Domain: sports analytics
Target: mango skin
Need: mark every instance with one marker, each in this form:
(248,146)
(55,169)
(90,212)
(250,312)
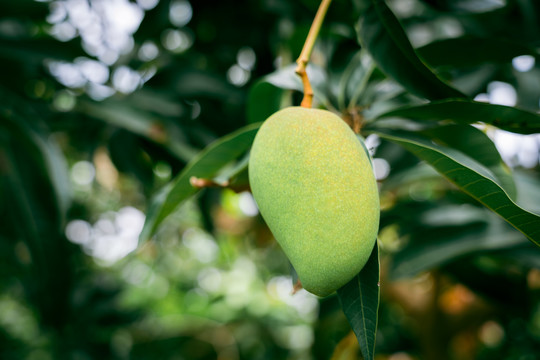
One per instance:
(316,190)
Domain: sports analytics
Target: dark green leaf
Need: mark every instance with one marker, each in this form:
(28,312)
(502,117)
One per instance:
(381,33)
(470,176)
(264,100)
(140,122)
(470,112)
(477,145)
(206,164)
(435,246)
(450,52)
(360,302)
(35,51)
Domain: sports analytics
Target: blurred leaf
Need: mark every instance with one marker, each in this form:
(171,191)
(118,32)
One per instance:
(35,51)
(470,112)
(354,80)
(528,184)
(470,176)
(360,302)
(206,164)
(489,276)
(127,155)
(35,211)
(381,33)
(435,246)
(193,83)
(264,100)
(524,255)
(142,123)
(347,349)
(449,52)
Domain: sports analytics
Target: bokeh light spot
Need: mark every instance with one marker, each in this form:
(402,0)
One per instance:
(247,204)
(176,41)
(523,63)
(180,13)
(381,168)
(64,101)
(83,172)
(502,93)
(237,76)
(148,51)
(79,232)
(125,79)
(147,4)
(92,70)
(246,58)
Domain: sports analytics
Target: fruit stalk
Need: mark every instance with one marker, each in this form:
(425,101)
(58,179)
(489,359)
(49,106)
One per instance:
(303,59)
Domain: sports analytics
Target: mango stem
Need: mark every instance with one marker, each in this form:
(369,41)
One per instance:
(303,59)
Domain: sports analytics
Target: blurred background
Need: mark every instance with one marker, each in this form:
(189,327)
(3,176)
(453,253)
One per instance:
(103,102)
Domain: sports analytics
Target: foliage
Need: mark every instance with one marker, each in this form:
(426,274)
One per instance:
(102,126)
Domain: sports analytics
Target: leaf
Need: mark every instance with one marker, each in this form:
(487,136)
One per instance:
(470,176)
(449,52)
(139,122)
(206,164)
(380,32)
(360,302)
(470,112)
(477,145)
(436,246)
(264,99)
(33,183)
(35,51)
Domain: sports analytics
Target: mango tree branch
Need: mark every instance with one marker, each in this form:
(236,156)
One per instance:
(303,59)
(201,183)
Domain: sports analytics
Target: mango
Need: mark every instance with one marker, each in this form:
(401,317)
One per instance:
(315,188)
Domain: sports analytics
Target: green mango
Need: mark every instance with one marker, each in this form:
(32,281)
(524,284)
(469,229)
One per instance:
(315,188)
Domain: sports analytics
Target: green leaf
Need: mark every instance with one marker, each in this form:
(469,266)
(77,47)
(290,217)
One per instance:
(436,246)
(449,52)
(35,51)
(264,99)
(470,176)
(206,164)
(139,122)
(360,302)
(470,112)
(477,145)
(381,34)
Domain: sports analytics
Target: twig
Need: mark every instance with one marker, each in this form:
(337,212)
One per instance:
(205,183)
(303,59)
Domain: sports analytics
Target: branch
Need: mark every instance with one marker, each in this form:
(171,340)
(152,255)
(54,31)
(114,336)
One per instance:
(200,183)
(303,59)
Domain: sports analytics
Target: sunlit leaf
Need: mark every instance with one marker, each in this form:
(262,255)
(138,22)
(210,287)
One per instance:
(470,112)
(360,302)
(206,164)
(381,33)
(470,176)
